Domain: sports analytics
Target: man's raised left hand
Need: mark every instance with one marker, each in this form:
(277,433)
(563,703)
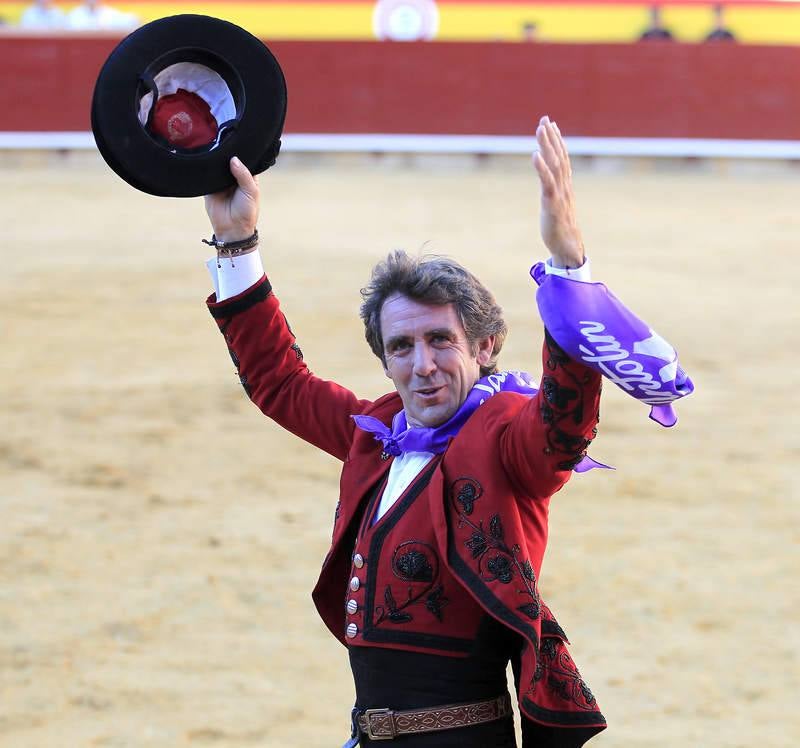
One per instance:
(559,223)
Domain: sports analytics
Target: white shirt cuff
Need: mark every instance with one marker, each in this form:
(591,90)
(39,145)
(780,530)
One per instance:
(583,273)
(231,276)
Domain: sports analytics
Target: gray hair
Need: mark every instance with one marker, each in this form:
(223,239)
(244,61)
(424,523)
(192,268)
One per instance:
(433,279)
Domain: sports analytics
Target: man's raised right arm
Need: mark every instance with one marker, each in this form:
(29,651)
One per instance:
(259,339)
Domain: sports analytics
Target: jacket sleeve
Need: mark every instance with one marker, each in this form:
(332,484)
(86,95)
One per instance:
(275,377)
(549,435)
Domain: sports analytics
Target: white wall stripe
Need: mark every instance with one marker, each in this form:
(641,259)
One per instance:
(491,144)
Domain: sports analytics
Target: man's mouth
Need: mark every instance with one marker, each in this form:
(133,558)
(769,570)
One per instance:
(427,391)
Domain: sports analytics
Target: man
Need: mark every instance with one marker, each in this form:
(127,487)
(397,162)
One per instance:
(42,15)
(720,32)
(530,31)
(432,576)
(656,31)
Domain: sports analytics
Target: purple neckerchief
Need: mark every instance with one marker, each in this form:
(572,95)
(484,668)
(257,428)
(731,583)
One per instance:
(401,438)
(594,327)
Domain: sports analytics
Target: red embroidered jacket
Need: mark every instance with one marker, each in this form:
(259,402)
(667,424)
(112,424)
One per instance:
(468,535)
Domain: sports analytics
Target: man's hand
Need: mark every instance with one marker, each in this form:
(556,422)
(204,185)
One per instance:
(559,224)
(234,212)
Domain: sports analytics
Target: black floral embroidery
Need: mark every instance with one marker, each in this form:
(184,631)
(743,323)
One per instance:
(561,676)
(414,565)
(477,544)
(496,561)
(417,564)
(557,394)
(436,601)
(558,686)
(466,492)
(527,571)
(560,405)
(532,610)
(501,569)
(548,647)
(394,614)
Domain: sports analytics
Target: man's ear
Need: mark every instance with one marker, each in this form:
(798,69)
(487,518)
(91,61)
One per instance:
(485,348)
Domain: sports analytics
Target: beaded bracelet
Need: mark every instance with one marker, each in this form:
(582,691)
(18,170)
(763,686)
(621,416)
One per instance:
(232,249)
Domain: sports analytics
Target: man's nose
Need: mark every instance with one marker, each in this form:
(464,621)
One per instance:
(424,361)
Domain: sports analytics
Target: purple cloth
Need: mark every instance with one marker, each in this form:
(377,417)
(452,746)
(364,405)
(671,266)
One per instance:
(401,438)
(594,327)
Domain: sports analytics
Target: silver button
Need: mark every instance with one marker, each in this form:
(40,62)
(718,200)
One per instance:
(351,631)
(352,606)
(358,561)
(355,583)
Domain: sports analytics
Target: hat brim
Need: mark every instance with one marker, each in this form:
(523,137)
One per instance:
(150,165)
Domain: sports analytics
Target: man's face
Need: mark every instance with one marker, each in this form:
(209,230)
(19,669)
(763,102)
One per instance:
(429,359)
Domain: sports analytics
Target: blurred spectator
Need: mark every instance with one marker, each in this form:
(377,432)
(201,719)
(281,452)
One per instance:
(656,31)
(530,32)
(720,33)
(43,15)
(92,14)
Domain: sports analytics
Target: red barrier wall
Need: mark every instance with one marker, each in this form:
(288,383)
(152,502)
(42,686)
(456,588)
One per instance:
(647,90)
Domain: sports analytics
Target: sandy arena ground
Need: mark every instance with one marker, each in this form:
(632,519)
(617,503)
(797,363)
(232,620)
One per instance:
(159,537)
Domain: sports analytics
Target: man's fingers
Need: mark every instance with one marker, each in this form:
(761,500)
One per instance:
(562,149)
(547,147)
(545,175)
(246,181)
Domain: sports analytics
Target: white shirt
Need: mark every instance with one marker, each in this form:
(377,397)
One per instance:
(232,277)
(404,469)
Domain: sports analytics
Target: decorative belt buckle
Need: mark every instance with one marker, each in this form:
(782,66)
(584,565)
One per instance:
(385,725)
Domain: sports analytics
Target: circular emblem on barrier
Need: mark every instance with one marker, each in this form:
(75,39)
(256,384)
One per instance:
(405,20)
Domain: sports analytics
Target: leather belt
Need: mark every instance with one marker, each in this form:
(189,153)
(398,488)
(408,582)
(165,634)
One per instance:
(386,724)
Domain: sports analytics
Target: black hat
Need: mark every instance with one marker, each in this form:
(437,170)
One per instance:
(179,96)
